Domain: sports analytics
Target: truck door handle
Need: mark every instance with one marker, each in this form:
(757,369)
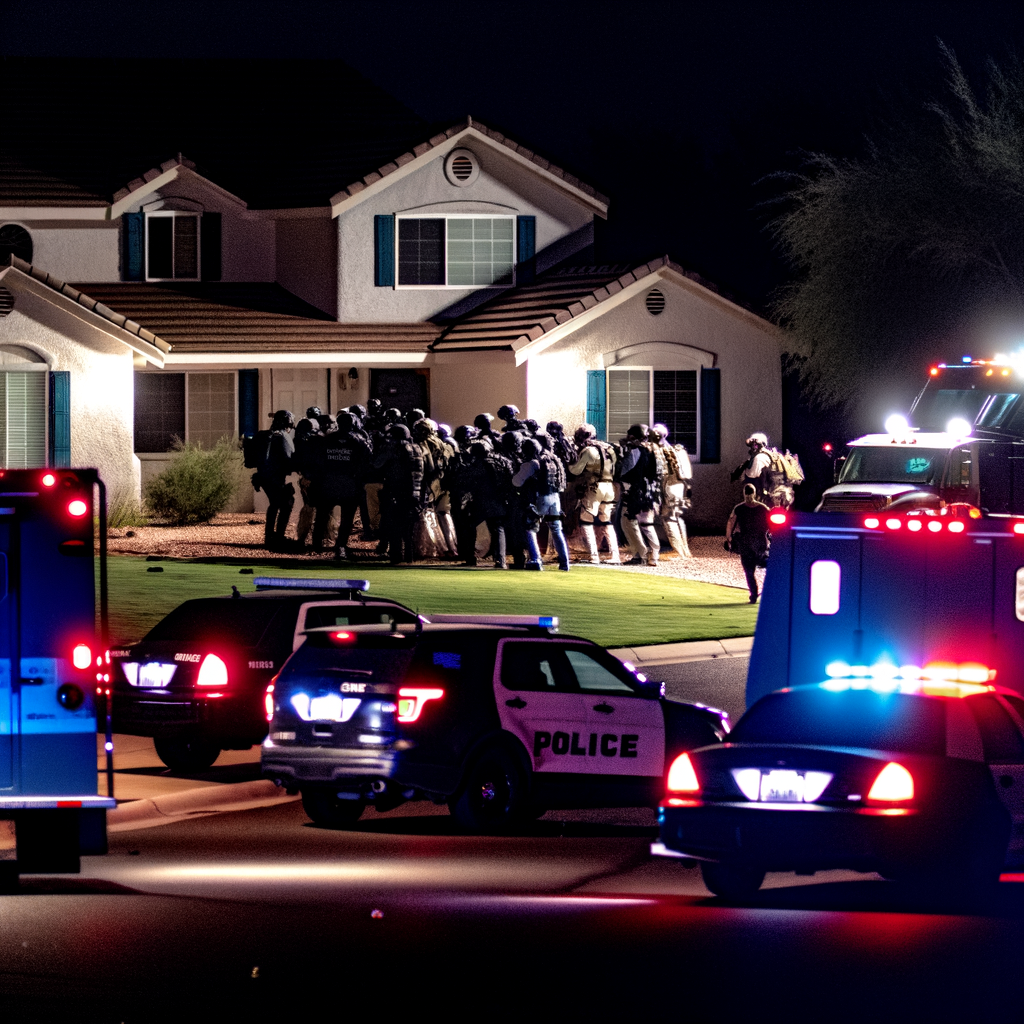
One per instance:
(605,709)
(516,702)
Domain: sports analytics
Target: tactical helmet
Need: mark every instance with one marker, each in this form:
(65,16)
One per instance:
(585,432)
(546,442)
(313,412)
(478,450)
(360,410)
(303,429)
(444,431)
(659,432)
(757,438)
(554,428)
(282,420)
(464,434)
(510,442)
(423,428)
(326,421)
(392,415)
(483,421)
(508,412)
(413,415)
(639,431)
(532,426)
(399,432)
(373,406)
(346,422)
(530,449)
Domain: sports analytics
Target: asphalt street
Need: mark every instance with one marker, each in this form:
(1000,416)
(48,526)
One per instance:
(259,912)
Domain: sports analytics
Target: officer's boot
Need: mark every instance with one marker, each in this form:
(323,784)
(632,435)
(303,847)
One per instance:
(636,542)
(613,544)
(653,544)
(590,537)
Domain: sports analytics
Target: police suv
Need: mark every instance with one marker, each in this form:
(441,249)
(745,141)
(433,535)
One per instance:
(494,715)
(195,682)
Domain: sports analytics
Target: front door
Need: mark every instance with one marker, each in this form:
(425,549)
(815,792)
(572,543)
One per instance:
(401,389)
(297,389)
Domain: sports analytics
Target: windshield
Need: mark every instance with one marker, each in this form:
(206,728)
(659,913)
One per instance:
(854,718)
(898,464)
(373,664)
(936,408)
(213,619)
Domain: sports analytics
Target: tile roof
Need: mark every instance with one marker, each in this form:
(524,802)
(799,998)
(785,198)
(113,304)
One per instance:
(436,140)
(526,313)
(94,305)
(25,186)
(223,317)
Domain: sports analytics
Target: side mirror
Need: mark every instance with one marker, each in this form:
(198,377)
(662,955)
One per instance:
(651,689)
(837,467)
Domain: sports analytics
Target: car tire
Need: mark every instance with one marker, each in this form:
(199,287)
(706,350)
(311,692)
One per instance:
(324,808)
(494,797)
(731,882)
(186,753)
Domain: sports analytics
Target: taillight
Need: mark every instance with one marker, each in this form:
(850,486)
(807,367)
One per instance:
(212,672)
(681,776)
(49,479)
(777,518)
(893,783)
(412,699)
(268,702)
(77,508)
(81,656)
(343,636)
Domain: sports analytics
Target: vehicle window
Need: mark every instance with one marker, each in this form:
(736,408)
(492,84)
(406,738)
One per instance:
(368,664)
(853,718)
(999,736)
(593,677)
(216,619)
(353,615)
(898,464)
(535,666)
(996,411)
(936,408)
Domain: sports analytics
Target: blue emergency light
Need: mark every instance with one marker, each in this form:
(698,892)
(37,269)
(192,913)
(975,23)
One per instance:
(293,583)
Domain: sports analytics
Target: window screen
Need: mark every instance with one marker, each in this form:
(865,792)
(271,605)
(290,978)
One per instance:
(629,400)
(675,405)
(159,410)
(421,251)
(23,419)
(211,407)
(479,250)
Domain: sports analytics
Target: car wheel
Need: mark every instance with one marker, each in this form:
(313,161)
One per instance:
(494,797)
(186,753)
(732,881)
(324,808)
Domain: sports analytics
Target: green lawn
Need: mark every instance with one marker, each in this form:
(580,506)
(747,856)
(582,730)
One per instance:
(617,609)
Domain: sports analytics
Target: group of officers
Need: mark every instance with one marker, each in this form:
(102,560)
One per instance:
(473,493)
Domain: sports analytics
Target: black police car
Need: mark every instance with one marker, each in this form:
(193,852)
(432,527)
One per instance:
(920,780)
(195,682)
(493,715)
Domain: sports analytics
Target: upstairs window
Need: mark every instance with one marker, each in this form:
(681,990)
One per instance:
(172,246)
(455,252)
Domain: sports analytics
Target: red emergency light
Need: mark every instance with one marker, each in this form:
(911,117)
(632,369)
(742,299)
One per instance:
(777,518)
(916,524)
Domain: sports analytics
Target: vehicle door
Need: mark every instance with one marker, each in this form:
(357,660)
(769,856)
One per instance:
(626,734)
(1002,737)
(539,702)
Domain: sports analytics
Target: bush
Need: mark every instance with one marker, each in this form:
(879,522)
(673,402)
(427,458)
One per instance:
(197,484)
(125,510)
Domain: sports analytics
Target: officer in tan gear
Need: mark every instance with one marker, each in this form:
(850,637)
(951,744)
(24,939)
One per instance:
(595,468)
(678,473)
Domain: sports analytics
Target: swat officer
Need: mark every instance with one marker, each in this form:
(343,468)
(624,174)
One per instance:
(540,478)
(757,468)
(678,473)
(489,437)
(346,457)
(272,475)
(402,465)
(595,468)
(483,486)
(510,414)
(438,463)
(642,471)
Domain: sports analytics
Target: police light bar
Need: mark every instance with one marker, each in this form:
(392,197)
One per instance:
(298,583)
(547,621)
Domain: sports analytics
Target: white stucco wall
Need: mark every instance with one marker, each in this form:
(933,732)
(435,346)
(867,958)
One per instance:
(102,386)
(306,257)
(83,250)
(465,384)
(741,345)
(502,188)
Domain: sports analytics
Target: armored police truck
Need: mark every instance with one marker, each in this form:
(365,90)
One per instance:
(52,665)
(891,597)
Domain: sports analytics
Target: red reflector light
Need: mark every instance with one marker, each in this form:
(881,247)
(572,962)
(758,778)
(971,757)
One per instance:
(77,508)
(956,527)
(934,371)
(212,672)
(49,479)
(871,523)
(778,518)
(81,656)
(1018,528)
(268,702)
(343,636)
(412,699)
(915,525)
(893,524)
(681,776)
(935,526)
(894,782)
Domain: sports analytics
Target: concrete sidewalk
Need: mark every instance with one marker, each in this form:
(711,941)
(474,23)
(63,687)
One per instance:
(696,650)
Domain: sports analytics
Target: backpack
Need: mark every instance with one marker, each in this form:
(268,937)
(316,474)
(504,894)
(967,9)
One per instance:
(554,480)
(255,449)
(786,465)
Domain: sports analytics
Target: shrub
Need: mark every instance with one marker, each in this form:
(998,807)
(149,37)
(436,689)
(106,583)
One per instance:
(125,510)
(197,483)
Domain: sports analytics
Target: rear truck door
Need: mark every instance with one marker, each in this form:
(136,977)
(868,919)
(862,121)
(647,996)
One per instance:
(539,702)
(1001,731)
(626,733)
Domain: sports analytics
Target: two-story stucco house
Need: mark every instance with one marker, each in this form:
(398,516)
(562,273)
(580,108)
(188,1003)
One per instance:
(457,277)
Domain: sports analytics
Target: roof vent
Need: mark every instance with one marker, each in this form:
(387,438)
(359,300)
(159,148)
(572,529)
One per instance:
(655,302)
(461,167)
(6,302)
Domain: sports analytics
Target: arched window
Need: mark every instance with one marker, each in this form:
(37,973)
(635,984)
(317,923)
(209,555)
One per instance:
(14,241)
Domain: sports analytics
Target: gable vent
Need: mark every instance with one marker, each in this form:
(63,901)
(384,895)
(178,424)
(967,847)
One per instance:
(655,302)
(461,168)
(6,302)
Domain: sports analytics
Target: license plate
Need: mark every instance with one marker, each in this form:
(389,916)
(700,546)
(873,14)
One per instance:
(156,674)
(782,787)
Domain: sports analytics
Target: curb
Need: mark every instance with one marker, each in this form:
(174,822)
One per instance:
(696,650)
(162,810)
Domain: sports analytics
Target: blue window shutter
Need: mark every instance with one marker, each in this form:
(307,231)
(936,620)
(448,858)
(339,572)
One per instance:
(597,402)
(209,244)
(134,229)
(60,419)
(384,250)
(526,249)
(710,415)
(248,402)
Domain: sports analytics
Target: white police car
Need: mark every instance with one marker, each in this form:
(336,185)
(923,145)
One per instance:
(494,715)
